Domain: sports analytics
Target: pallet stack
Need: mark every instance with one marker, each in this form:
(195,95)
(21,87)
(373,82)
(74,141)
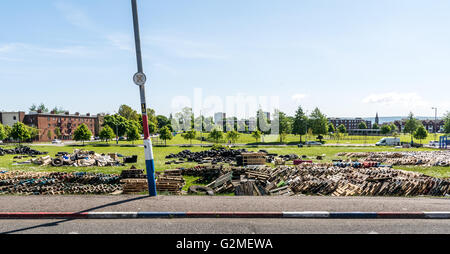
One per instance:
(249,159)
(134,181)
(170,181)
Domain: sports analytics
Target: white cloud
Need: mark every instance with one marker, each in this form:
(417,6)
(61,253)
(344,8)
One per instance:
(397,99)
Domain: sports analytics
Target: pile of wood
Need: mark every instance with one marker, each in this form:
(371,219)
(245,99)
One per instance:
(58,183)
(133,174)
(134,181)
(247,159)
(327,179)
(170,181)
(133,186)
(422,158)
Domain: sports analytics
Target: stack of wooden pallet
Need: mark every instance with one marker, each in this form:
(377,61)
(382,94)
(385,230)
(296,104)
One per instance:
(133,174)
(134,181)
(170,181)
(131,186)
(253,159)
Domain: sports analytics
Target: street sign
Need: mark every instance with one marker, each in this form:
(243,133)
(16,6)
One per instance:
(140,79)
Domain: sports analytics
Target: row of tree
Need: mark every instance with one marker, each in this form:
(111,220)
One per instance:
(18,132)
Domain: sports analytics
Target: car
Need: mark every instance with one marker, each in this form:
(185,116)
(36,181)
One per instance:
(121,138)
(434,143)
(56,141)
(313,143)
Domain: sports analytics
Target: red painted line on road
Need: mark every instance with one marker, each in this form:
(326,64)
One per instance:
(234,214)
(401,215)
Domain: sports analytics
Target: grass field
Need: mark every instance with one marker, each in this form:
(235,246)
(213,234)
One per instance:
(290,139)
(6,162)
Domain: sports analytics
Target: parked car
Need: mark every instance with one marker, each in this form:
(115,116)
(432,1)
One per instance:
(313,143)
(434,143)
(388,142)
(121,138)
(56,141)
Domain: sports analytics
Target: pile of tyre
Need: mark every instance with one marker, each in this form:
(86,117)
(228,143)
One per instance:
(21,150)
(215,155)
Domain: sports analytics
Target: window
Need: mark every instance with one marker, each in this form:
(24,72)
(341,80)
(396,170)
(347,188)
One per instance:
(14,118)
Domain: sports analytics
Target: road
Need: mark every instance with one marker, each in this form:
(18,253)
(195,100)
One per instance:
(225,226)
(130,203)
(222,204)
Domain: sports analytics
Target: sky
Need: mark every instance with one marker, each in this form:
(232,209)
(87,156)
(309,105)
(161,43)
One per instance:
(350,58)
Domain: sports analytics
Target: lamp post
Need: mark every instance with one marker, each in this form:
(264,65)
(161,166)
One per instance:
(140,80)
(435,121)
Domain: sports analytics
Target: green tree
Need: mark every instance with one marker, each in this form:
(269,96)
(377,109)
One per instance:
(133,134)
(57,132)
(118,123)
(3,135)
(411,125)
(162,121)
(375,126)
(385,129)
(233,136)
(165,134)
(49,135)
(82,133)
(34,132)
(128,113)
(58,110)
(318,122)
(393,128)
(216,135)
(342,129)
(283,122)
(331,128)
(262,123)
(189,135)
(20,132)
(107,133)
(362,125)
(421,133)
(447,123)
(256,135)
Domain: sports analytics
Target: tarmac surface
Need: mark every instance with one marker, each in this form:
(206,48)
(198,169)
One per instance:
(129,203)
(222,225)
(225,226)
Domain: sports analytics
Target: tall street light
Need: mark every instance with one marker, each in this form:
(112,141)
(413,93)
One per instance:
(140,80)
(435,121)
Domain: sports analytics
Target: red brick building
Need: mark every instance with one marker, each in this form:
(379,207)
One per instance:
(67,123)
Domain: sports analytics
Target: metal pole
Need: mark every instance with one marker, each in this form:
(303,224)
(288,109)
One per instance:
(434,125)
(140,80)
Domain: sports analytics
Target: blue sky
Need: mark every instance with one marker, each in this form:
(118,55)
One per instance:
(347,57)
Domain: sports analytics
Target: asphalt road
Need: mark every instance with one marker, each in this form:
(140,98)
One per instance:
(128,203)
(225,226)
(222,225)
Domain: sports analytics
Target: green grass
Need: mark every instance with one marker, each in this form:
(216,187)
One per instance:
(161,152)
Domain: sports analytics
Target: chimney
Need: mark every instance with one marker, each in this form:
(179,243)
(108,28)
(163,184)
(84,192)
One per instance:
(66,113)
(53,112)
(39,111)
(88,114)
(77,113)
